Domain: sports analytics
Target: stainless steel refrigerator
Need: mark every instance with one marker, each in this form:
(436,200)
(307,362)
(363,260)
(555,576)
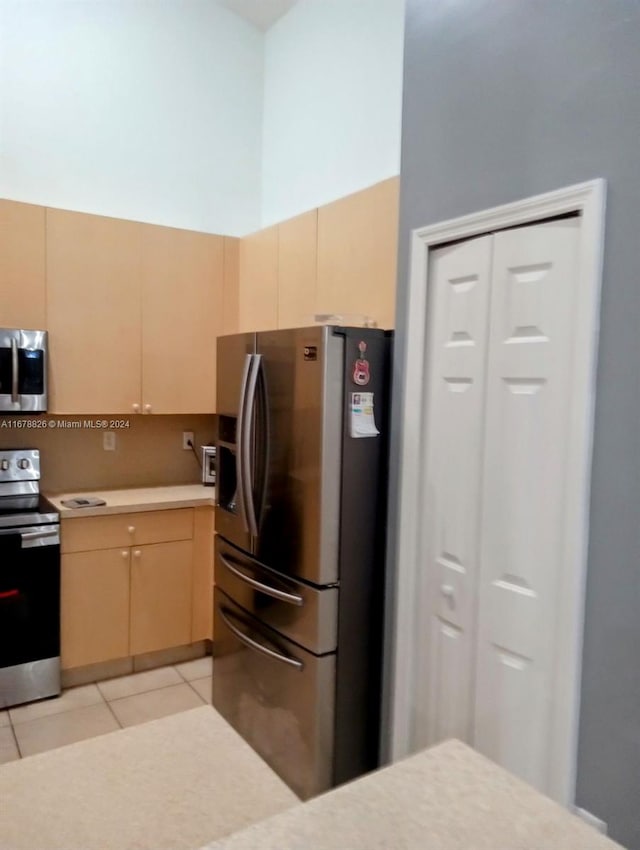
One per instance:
(299,563)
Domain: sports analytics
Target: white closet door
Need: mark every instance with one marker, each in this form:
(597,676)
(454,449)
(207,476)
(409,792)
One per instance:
(459,280)
(529,387)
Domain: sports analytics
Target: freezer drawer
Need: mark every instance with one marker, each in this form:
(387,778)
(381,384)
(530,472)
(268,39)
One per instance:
(278,697)
(304,614)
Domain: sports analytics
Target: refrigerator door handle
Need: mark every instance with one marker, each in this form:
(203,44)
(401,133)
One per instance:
(247,444)
(262,450)
(255,645)
(283,596)
(240,429)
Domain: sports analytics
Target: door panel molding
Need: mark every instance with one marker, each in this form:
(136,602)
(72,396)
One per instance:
(407,655)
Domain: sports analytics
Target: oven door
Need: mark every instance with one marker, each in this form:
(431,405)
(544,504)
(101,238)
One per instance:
(29,613)
(278,696)
(23,371)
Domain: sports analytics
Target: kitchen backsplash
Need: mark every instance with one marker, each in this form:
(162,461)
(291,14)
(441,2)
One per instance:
(148,450)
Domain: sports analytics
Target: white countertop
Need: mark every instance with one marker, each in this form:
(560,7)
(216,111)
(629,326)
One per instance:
(140,499)
(445,798)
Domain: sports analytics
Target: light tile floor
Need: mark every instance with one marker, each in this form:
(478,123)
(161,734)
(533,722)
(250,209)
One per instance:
(91,710)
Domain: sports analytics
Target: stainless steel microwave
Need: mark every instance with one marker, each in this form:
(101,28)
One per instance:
(23,371)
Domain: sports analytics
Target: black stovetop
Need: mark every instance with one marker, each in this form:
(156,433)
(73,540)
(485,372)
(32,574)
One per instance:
(31,509)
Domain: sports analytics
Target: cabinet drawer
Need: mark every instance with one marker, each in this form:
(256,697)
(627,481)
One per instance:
(135,529)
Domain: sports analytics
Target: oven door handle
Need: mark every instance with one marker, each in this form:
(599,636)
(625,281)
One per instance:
(282,595)
(14,372)
(41,537)
(258,647)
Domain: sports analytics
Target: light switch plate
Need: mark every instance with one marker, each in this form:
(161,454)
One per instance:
(109,441)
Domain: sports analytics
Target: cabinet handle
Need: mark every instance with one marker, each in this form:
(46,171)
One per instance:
(136,408)
(125,553)
(131,529)
(147,408)
(136,553)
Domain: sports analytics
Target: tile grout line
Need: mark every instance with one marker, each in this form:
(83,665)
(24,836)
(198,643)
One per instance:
(196,692)
(15,738)
(114,715)
(138,693)
(151,691)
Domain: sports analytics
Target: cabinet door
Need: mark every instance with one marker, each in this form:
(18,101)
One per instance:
(182,289)
(528,582)
(459,295)
(94,607)
(22,266)
(203,532)
(258,281)
(161,596)
(357,254)
(93,306)
(297,270)
(231,286)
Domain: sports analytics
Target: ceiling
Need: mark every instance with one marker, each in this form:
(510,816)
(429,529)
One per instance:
(260,13)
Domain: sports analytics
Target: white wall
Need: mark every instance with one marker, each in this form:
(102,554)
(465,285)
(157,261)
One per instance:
(142,109)
(332,103)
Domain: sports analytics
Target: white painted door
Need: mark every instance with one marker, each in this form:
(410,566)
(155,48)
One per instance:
(459,276)
(529,387)
(499,394)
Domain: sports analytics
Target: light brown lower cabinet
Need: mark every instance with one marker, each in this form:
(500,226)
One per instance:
(202,586)
(160,596)
(94,617)
(123,600)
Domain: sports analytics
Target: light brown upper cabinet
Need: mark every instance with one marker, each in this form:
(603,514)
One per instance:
(357,251)
(297,258)
(93,307)
(22,265)
(258,281)
(231,294)
(182,291)
(134,310)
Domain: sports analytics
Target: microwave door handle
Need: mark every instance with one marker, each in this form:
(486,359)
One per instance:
(248,483)
(14,371)
(239,441)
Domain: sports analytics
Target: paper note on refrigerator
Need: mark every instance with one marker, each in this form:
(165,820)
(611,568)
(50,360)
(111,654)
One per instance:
(362,420)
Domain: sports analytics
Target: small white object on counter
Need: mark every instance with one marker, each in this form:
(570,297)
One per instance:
(139,499)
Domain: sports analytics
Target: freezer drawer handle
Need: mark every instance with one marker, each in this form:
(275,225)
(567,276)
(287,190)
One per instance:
(291,598)
(258,647)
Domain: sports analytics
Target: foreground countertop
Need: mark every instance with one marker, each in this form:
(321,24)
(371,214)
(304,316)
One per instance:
(445,798)
(138,499)
(169,784)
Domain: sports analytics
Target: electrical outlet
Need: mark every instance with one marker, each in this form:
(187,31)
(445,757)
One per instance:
(187,440)
(109,441)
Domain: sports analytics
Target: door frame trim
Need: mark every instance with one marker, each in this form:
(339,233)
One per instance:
(406,656)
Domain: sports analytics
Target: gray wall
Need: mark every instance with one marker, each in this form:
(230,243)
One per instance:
(509,98)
